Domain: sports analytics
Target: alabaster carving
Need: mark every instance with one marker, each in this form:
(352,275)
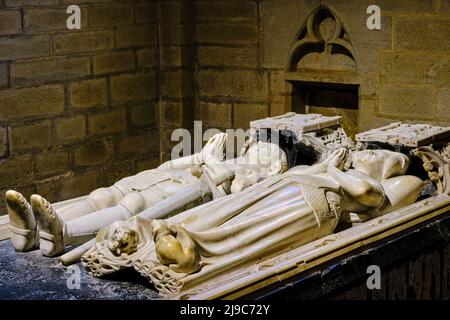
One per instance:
(290,209)
(405,134)
(201,218)
(298,124)
(183,182)
(327,135)
(445,152)
(437,167)
(248,277)
(427,142)
(173,187)
(322,133)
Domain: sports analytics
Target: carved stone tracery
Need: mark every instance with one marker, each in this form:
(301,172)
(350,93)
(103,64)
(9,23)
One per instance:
(322,41)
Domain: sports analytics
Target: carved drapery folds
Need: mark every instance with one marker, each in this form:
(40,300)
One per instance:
(322,43)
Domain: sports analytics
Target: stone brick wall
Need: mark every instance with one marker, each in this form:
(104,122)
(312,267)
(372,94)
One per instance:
(233,85)
(78,108)
(177,69)
(232,57)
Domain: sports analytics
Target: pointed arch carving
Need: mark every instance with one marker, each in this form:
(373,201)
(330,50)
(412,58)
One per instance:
(323,33)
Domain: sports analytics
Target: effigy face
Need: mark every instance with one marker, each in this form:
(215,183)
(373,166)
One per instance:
(221,248)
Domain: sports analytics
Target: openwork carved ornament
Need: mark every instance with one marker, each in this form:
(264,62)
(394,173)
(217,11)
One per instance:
(324,36)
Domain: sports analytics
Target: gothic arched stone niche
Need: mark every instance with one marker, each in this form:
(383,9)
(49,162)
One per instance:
(322,43)
(322,69)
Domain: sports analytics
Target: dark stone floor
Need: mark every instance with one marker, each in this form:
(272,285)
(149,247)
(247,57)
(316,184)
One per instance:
(31,276)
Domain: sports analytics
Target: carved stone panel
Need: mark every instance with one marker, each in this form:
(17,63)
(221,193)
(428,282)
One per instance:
(405,134)
(322,43)
(297,123)
(322,133)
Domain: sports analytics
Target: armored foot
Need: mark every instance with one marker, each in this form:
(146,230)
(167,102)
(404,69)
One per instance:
(50,226)
(24,236)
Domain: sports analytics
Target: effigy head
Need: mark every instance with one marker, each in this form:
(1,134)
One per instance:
(380,164)
(268,156)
